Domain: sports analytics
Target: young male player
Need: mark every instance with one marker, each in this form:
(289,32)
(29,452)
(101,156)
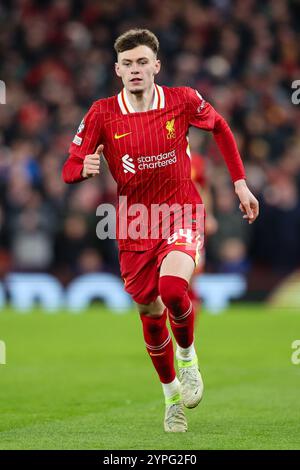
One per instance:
(143,134)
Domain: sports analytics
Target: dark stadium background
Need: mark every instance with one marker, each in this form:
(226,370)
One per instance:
(56,58)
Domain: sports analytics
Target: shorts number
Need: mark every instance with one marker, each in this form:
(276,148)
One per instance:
(182,233)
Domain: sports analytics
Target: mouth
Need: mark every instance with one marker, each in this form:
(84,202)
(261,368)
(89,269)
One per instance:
(136,80)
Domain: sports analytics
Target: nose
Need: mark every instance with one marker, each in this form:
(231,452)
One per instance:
(135,69)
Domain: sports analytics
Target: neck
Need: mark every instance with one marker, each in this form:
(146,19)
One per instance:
(142,101)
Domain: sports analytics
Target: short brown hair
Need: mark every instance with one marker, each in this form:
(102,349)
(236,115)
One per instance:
(136,37)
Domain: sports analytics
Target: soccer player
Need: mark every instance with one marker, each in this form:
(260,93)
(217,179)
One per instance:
(142,133)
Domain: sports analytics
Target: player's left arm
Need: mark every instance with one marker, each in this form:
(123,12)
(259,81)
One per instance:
(204,116)
(225,140)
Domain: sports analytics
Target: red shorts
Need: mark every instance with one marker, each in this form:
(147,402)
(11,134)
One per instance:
(140,269)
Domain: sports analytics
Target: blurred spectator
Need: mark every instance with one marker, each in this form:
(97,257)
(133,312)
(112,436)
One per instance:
(90,261)
(233,256)
(71,242)
(230,228)
(277,235)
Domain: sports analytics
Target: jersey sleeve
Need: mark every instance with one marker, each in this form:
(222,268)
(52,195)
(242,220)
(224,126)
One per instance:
(85,142)
(201,114)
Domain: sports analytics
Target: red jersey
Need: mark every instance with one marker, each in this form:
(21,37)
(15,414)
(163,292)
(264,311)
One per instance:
(147,152)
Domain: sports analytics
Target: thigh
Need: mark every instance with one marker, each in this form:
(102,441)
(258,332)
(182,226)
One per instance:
(140,274)
(180,253)
(178,263)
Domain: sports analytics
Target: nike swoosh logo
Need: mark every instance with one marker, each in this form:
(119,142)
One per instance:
(178,243)
(158,354)
(119,136)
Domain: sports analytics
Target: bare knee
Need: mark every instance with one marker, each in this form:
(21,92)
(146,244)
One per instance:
(154,309)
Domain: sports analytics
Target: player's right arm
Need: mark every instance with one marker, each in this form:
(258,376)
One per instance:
(84,152)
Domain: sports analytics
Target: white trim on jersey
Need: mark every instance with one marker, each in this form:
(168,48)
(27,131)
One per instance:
(127,108)
(120,101)
(128,104)
(155,100)
(188,148)
(202,104)
(162,96)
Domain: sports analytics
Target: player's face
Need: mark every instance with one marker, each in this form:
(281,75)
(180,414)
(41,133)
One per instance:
(137,68)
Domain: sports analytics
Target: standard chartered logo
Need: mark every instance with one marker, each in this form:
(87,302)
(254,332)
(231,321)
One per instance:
(149,162)
(2,353)
(128,164)
(157,161)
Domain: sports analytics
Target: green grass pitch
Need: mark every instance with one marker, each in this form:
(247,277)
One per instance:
(86,382)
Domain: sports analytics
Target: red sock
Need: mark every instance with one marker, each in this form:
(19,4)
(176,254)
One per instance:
(159,346)
(196,301)
(174,293)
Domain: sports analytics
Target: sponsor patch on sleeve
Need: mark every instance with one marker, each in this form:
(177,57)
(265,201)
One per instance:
(81,127)
(202,104)
(77,140)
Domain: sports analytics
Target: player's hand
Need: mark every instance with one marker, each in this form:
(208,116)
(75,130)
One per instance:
(91,163)
(248,203)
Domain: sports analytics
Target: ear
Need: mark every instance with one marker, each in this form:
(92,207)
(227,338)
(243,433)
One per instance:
(117,69)
(157,67)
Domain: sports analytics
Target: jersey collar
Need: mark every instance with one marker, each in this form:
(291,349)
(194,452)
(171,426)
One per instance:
(158,102)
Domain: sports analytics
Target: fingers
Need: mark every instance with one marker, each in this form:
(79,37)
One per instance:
(92,161)
(256,207)
(251,211)
(255,210)
(94,158)
(245,208)
(249,205)
(91,166)
(99,149)
(90,170)
(241,207)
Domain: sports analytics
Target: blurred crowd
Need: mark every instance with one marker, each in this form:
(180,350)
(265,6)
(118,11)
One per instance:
(57,57)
